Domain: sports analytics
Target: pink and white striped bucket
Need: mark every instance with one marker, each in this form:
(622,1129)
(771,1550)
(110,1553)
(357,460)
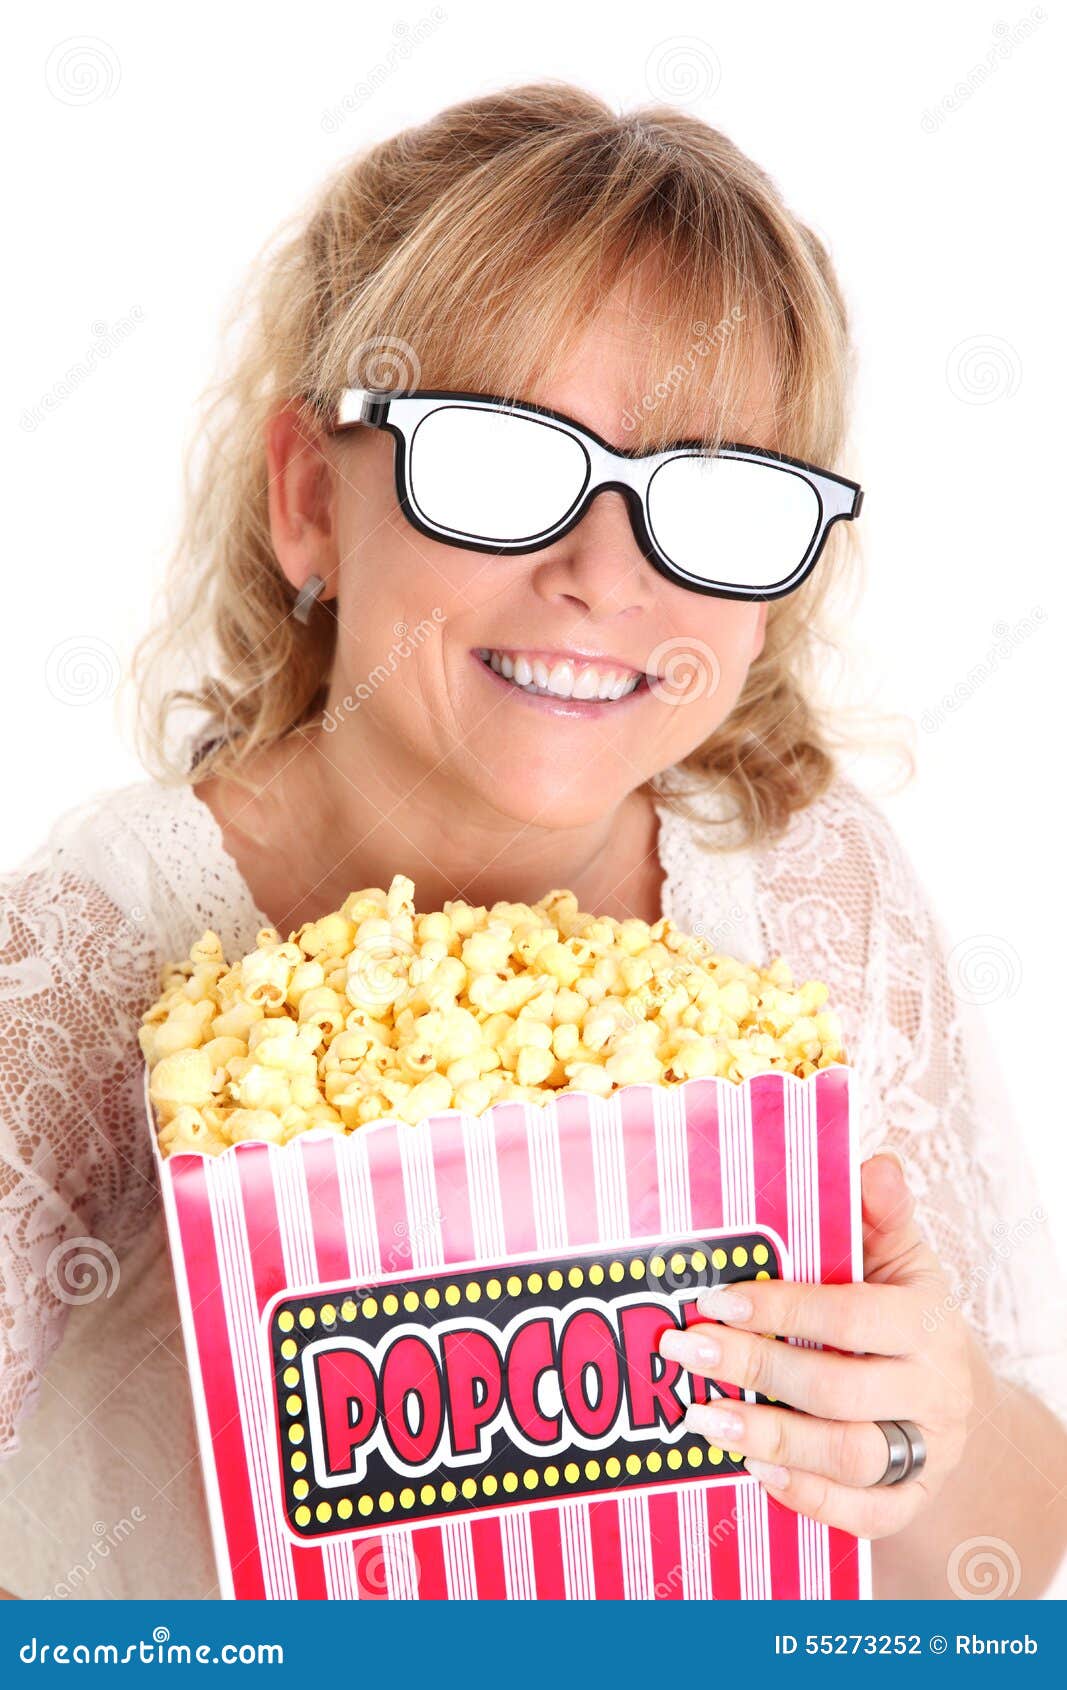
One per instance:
(423,1358)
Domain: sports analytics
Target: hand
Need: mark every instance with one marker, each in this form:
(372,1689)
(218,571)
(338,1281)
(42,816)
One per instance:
(824,1461)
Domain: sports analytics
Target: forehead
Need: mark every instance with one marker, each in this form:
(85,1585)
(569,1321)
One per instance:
(636,380)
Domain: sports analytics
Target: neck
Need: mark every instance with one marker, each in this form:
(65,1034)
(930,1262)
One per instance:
(318,822)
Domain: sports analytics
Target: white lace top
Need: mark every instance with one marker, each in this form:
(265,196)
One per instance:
(100,1491)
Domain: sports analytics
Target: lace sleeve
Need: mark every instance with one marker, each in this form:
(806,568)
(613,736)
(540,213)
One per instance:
(76,1179)
(839,897)
(123,884)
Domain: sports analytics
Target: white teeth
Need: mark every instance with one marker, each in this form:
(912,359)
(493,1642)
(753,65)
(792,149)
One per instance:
(586,685)
(561,681)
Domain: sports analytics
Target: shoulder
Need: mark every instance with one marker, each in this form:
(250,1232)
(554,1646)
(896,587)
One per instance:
(151,859)
(844,847)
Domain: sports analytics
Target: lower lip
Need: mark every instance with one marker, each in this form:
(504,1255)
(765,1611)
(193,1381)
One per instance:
(584,709)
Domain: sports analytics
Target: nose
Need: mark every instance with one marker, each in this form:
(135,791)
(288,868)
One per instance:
(599,565)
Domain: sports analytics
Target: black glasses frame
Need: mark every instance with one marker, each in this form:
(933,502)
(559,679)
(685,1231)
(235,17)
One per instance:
(627,472)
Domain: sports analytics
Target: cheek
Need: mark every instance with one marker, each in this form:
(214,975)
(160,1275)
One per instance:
(705,669)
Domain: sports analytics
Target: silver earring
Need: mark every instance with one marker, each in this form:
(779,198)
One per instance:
(306,597)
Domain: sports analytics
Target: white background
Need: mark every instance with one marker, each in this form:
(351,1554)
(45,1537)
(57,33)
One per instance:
(150,163)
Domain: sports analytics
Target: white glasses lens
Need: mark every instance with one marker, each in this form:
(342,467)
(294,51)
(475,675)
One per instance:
(733,522)
(494,476)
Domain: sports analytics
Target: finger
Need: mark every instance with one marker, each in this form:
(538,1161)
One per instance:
(872,1319)
(818,1381)
(893,1245)
(851,1452)
(875,1512)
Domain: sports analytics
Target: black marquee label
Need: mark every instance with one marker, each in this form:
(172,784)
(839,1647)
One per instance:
(472,1388)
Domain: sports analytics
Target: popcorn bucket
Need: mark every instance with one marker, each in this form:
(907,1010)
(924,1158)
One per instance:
(424,1358)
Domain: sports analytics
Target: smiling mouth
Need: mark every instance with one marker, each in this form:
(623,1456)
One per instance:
(574,683)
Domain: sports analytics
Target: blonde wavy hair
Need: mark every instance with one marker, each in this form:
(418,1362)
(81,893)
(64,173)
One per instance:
(469,252)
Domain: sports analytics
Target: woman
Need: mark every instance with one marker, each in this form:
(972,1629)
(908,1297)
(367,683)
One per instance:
(427,659)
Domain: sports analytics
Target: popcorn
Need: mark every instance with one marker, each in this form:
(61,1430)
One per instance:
(378,1011)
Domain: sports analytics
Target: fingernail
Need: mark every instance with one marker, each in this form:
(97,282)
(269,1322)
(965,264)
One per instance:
(715,1423)
(888,1150)
(718,1302)
(776,1477)
(690,1350)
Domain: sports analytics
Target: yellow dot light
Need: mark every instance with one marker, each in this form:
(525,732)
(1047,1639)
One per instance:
(302,1515)
(286,1320)
(760,1254)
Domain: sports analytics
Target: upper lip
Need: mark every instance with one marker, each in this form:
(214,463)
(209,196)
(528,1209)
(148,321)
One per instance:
(577,659)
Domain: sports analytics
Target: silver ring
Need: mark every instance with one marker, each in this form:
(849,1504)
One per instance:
(907,1451)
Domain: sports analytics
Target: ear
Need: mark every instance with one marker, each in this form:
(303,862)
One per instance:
(300,500)
(759,633)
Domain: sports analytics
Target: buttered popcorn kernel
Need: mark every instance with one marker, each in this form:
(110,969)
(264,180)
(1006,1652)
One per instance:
(378,1011)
